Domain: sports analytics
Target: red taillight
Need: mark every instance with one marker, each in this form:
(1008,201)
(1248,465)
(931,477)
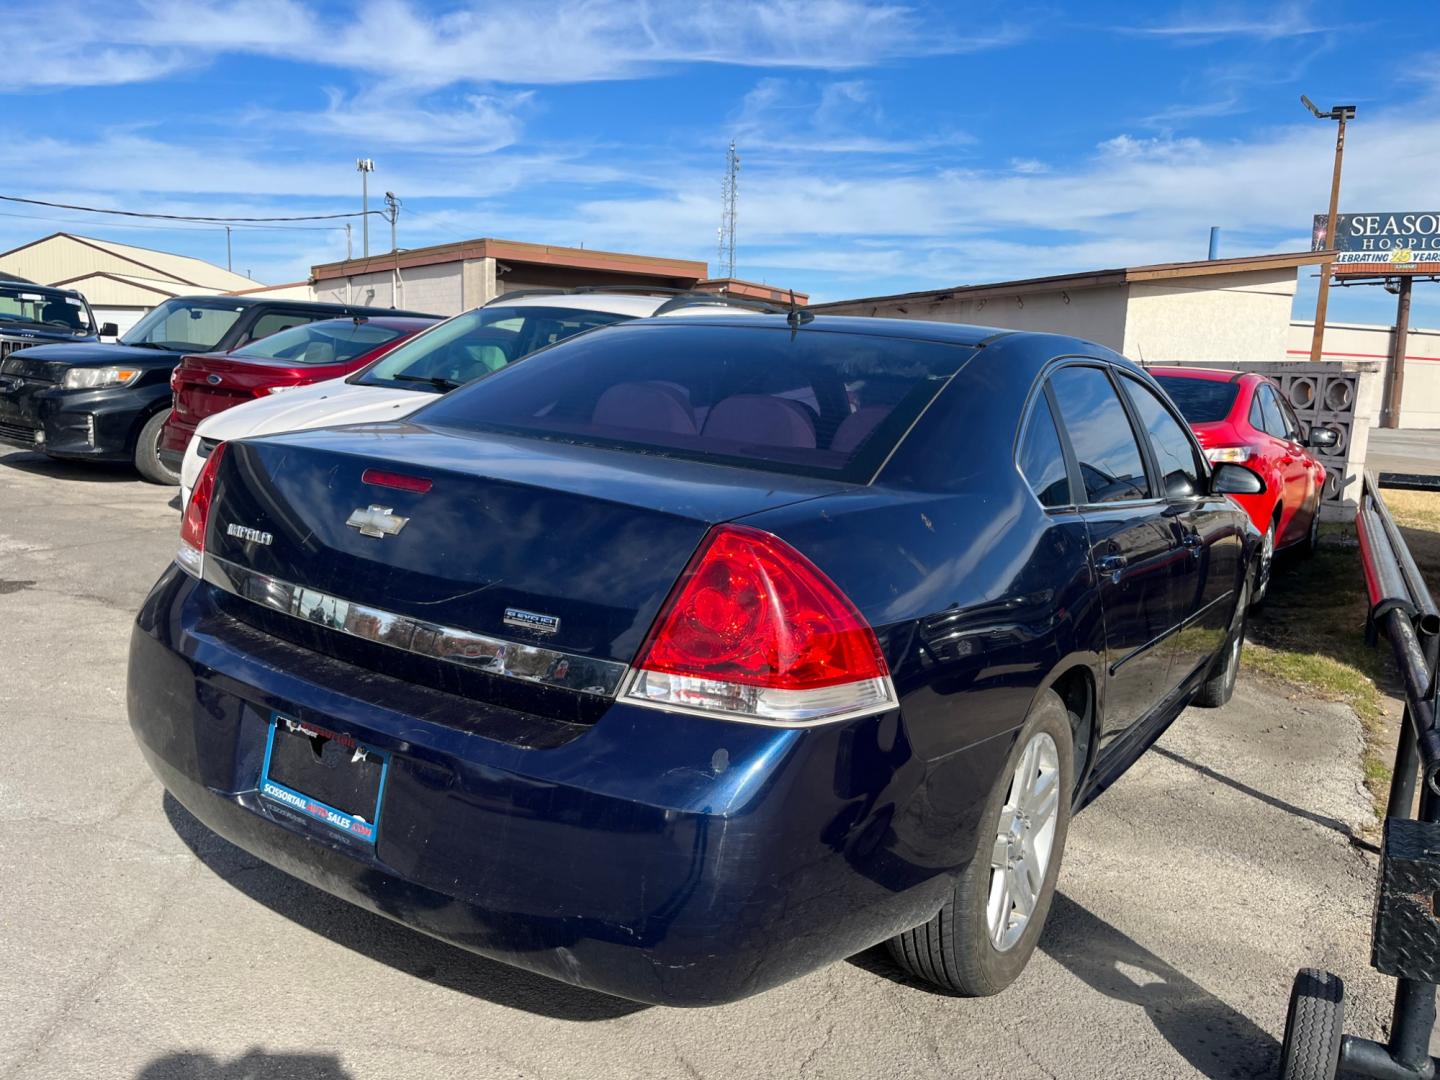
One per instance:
(755,630)
(197,513)
(398,481)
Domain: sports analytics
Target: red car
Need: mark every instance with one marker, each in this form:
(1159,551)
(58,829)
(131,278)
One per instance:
(329,349)
(1243,418)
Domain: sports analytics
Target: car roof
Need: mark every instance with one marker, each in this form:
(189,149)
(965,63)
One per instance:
(908,329)
(30,286)
(303,305)
(1202,373)
(394,322)
(617,303)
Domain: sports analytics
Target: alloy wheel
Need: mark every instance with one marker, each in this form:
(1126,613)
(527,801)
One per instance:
(1024,841)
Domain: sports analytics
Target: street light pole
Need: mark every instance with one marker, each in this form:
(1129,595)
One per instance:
(365,166)
(1340,114)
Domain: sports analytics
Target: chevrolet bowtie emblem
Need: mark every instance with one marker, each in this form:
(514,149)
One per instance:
(376,521)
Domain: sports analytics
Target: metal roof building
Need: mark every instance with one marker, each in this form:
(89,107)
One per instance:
(121,281)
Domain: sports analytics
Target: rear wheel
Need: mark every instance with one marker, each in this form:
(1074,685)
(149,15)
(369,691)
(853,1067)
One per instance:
(147,452)
(980,941)
(1314,1027)
(1265,566)
(1219,685)
(1312,538)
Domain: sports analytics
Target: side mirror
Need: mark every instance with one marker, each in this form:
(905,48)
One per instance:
(1322,436)
(1236,480)
(109,329)
(1178,486)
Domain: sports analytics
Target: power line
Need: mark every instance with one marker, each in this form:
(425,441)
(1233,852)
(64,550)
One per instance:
(185,217)
(176,228)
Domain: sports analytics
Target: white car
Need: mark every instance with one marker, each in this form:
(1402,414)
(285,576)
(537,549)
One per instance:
(438,360)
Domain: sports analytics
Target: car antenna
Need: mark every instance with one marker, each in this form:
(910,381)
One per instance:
(797,316)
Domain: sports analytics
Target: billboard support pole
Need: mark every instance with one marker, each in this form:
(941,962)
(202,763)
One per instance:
(1322,299)
(1396,378)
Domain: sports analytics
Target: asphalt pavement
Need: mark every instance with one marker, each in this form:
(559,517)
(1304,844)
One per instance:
(133,943)
(1413,451)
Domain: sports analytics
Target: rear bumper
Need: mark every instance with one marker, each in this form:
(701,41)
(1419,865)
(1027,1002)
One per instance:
(175,436)
(96,424)
(664,858)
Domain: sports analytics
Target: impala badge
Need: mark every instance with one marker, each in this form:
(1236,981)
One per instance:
(244,532)
(532,620)
(376,521)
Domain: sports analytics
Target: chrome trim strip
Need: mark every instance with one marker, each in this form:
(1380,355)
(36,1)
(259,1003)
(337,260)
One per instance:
(480,652)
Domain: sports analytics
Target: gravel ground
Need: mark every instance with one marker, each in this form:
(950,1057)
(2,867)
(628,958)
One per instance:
(135,944)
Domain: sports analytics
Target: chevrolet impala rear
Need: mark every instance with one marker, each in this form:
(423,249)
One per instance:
(675,661)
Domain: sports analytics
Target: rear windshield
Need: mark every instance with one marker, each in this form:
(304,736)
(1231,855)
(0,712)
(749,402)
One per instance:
(477,343)
(1200,401)
(322,342)
(815,402)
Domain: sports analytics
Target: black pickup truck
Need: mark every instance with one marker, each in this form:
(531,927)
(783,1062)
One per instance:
(98,402)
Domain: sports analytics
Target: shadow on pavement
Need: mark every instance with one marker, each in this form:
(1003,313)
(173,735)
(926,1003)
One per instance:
(1216,1040)
(252,1065)
(82,471)
(388,942)
(1269,800)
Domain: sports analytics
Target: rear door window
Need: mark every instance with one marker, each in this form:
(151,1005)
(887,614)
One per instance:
(1111,465)
(1272,421)
(815,402)
(1175,453)
(1041,459)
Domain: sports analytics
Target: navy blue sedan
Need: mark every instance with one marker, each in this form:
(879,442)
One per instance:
(688,656)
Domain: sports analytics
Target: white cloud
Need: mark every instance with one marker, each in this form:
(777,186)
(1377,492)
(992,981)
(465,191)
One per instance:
(533,43)
(1200,25)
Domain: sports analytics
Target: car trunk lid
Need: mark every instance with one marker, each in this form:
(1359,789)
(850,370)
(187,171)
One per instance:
(570,548)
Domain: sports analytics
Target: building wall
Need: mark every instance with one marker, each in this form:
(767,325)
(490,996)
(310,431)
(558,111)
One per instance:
(435,289)
(1095,314)
(123,317)
(1420,400)
(1232,317)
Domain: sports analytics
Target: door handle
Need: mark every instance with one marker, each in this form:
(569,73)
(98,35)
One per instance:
(1111,566)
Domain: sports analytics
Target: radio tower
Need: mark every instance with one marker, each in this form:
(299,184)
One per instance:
(728,192)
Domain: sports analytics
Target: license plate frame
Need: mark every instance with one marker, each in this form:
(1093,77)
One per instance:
(360,819)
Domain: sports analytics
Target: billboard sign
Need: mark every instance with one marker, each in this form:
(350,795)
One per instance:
(1389,243)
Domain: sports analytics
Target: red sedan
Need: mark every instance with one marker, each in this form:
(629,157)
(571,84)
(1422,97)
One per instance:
(329,349)
(1243,418)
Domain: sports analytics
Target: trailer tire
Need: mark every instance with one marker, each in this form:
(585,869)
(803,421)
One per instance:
(1314,1027)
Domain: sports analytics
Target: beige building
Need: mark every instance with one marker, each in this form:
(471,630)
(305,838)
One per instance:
(1350,342)
(1220,309)
(446,279)
(121,281)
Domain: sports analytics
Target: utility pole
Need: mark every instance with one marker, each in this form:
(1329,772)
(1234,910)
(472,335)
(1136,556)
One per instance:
(349,249)
(228,265)
(365,166)
(729,190)
(1397,354)
(1339,113)
(392,211)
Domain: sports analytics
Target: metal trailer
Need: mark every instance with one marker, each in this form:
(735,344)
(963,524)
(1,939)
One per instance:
(1405,939)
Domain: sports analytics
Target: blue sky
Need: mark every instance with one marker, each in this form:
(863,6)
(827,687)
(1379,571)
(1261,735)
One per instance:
(885,146)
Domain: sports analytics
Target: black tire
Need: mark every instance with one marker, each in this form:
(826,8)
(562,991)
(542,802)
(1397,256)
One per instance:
(147,452)
(1311,543)
(1265,564)
(954,950)
(1313,1027)
(1219,685)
